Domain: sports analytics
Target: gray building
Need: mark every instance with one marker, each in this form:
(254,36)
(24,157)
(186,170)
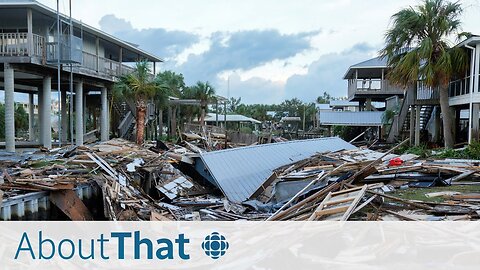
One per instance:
(32,43)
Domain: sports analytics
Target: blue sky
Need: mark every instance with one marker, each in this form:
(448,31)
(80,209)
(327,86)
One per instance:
(269,50)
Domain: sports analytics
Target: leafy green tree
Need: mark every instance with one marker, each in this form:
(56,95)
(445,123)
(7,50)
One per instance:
(21,118)
(233,104)
(139,86)
(189,111)
(324,99)
(417,48)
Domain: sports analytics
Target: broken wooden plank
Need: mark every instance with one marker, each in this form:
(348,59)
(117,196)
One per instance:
(341,202)
(71,205)
(459,177)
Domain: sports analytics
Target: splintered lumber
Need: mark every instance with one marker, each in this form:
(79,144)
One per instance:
(401,216)
(339,205)
(320,177)
(70,204)
(355,177)
(319,195)
(414,204)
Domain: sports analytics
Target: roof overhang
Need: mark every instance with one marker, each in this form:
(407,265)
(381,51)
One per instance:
(76,23)
(472,41)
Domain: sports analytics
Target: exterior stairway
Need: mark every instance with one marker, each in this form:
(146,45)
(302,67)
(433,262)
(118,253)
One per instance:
(127,125)
(425,115)
(422,96)
(126,114)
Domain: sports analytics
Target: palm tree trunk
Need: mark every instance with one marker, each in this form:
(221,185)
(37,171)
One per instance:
(447,117)
(141,110)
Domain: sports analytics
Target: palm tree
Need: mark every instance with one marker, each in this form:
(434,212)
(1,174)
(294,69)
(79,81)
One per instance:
(205,93)
(139,86)
(170,84)
(417,48)
(189,111)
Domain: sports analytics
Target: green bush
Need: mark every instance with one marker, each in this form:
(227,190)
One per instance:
(420,150)
(246,130)
(21,120)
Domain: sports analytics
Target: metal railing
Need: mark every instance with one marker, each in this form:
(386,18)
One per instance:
(459,87)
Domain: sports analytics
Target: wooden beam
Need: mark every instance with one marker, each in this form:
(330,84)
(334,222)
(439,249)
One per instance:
(70,204)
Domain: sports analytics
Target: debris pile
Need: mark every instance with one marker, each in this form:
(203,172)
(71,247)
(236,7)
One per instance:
(301,180)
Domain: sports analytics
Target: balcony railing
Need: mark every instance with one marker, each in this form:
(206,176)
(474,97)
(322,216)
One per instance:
(365,86)
(460,87)
(16,44)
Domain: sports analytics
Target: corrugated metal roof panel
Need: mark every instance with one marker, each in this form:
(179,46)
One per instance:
(343,103)
(231,118)
(241,171)
(351,118)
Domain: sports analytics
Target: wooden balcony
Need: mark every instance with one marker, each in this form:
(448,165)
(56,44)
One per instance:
(374,89)
(17,45)
(426,95)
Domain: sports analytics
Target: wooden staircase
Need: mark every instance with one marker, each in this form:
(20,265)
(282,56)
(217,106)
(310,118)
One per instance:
(422,96)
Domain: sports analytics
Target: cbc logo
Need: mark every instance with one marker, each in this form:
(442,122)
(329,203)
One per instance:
(215,245)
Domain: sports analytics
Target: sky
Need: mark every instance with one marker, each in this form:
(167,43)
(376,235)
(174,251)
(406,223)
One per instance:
(264,51)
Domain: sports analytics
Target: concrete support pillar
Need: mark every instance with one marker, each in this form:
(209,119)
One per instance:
(47,112)
(63,106)
(79,113)
(9,108)
(475,121)
(104,133)
(412,125)
(85,111)
(40,116)
(31,117)
(417,125)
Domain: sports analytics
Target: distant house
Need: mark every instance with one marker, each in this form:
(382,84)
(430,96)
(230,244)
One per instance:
(344,105)
(417,109)
(346,113)
(235,121)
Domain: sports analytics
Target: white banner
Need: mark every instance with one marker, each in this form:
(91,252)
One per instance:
(239,245)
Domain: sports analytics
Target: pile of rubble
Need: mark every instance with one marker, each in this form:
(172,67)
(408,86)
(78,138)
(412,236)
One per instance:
(172,183)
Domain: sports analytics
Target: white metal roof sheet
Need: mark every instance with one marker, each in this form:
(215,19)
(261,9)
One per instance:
(239,172)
